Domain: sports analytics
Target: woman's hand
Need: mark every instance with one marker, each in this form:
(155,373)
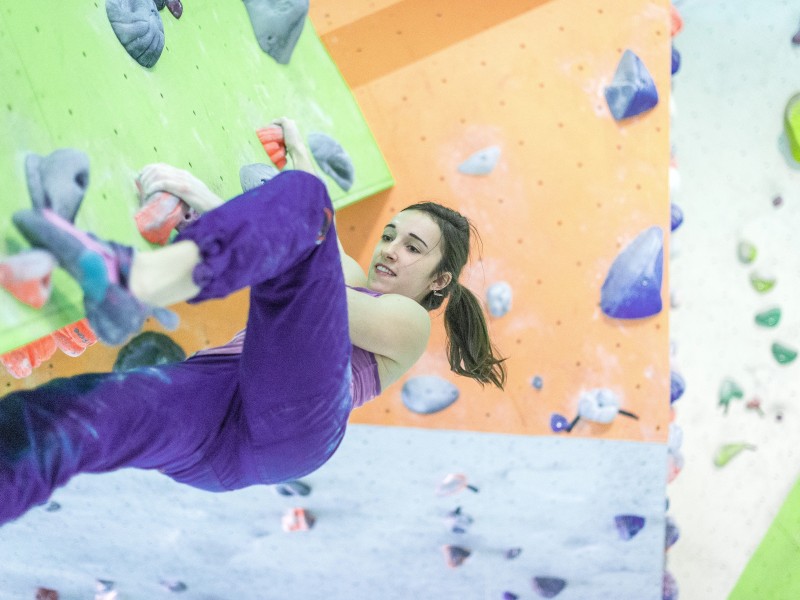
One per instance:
(295,146)
(160,177)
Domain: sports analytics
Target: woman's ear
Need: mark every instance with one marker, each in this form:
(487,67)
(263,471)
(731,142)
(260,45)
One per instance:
(441,281)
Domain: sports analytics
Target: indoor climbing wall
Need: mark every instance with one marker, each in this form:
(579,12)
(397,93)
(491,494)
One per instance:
(70,83)
(503,114)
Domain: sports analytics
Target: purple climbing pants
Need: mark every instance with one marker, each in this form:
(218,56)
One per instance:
(274,413)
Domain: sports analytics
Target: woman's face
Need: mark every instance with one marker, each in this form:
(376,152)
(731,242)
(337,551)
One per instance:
(405,257)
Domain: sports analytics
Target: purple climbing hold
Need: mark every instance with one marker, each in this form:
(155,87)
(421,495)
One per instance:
(138,27)
(58,181)
(629,525)
(676,60)
(252,176)
(676,216)
(455,555)
(332,159)
(671,534)
(175,7)
(632,288)
(558,423)
(277,25)
(509,596)
(677,385)
(632,91)
(670,589)
(427,394)
(548,587)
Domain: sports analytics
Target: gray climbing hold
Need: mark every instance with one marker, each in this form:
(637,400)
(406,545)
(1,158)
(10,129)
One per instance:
(332,159)
(252,176)
(138,27)
(148,349)
(427,394)
(481,162)
(548,587)
(498,297)
(293,488)
(160,3)
(58,181)
(599,405)
(632,288)
(277,25)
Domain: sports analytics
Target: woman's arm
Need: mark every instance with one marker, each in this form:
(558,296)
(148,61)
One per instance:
(160,177)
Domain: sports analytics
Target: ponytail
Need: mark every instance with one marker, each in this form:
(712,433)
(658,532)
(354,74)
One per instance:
(469,350)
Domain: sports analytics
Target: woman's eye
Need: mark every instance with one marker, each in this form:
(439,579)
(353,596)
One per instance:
(413,249)
(386,238)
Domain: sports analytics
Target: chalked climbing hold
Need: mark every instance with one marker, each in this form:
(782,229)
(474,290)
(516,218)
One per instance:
(632,288)
(28,276)
(454,483)
(481,162)
(455,555)
(727,452)
(762,282)
(58,181)
(676,216)
(548,587)
(138,27)
(498,297)
(277,25)
(252,176)
(729,390)
(332,159)
(428,394)
(628,525)
(632,91)
(457,521)
(670,587)
(677,386)
(599,405)
(746,252)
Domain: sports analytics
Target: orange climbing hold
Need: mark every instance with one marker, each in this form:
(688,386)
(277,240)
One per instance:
(22,361)
(159,215)
(271,138)
(677,21)
(27,276)
(74,339)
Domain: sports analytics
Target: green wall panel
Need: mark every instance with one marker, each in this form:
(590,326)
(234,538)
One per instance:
(68,82)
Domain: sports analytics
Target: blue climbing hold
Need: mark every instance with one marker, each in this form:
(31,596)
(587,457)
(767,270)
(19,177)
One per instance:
(670,589)
(676,60)
(632,91)
(498,297)
(293,488)
(628,525)
(558,423)
(548,587)
(632,288)
(676,216)
(671,533)
(427,394)
(537,382)
(677,385)
(481,162)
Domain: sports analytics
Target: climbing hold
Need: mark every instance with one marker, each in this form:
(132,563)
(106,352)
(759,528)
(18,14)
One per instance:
(297,519)
(599,405)
(726,452)
(676,22)
(457,521)
(777,201)
(74,339)
(46,594)
(105,590)
(675,463)
(558,423)
(537,382)
(676,60)
(512,553)
(52,506)
(455,555)
(548,587)
(21,362)
(160,4)
(628,525)
(632,288)
(783,354)
(481,162)
(252,176)
(510,596)
(138,27)
(427,394)
(454,483)
(148,349)
(769,318)
(791,125)
(746,252)
(175,7)
(174,586)
(671,533)
(675,438)
(58,181)
(277,25)
(632,91)
(762,282)
(755,404)
(498,297)
(160,213)
(670,587)
(271,138)
(676,216)
(293,488)
(729,390)
(677,386)
(27,276)
(332,159)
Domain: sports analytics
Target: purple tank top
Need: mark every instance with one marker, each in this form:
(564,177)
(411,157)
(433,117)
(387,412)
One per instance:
(365,384)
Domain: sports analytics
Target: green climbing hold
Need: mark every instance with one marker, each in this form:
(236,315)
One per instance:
(783,354)
(148,349)
(791,125)
(728,391)
(769,318)
(726,452)
(746,252)
(762,283)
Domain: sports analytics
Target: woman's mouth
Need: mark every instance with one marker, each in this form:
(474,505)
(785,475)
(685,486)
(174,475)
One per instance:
(384,270)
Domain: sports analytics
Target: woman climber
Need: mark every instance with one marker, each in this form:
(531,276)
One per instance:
(322,338)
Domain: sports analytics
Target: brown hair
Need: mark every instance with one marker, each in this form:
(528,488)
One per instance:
(470,351)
